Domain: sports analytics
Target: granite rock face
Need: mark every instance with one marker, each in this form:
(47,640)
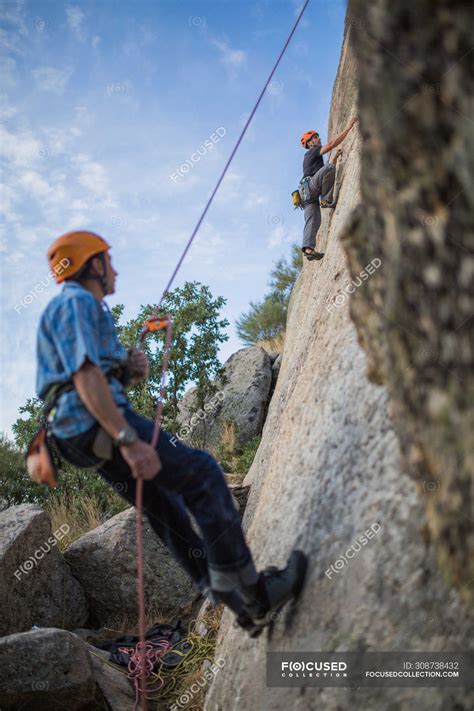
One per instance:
(414,318)
(58,674)
(329,470)
(104,561)
(241,399)
(36,584)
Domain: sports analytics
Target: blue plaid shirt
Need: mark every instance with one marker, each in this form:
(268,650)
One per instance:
(76,327)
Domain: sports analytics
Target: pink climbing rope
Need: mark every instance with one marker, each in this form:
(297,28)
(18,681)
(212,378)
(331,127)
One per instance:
(148,655)
(141,656)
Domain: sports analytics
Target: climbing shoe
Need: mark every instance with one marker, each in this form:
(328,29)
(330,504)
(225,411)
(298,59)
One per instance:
(246,623)
(274,588)
(327,203)
(313,255)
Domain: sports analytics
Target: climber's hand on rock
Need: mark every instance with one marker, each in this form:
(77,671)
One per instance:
(142,459)
(353,121)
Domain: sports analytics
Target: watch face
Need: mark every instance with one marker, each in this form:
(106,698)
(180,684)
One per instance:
(127,436)
(131,436)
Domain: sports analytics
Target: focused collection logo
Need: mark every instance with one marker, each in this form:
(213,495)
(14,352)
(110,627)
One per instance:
(313,668)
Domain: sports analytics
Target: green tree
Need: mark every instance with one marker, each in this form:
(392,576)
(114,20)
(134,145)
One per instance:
(285,272)
(25,428)
(263,321)
(266,319)
(16,487)
(198,331)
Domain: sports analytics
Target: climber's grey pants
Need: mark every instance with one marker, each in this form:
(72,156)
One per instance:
(321,184)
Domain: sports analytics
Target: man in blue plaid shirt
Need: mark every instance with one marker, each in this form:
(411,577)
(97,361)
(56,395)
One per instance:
(93,425)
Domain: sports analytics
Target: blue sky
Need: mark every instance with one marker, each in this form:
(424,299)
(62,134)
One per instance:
(118,116)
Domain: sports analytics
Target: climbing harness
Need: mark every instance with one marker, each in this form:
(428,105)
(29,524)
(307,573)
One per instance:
(42,459)
(302,196)
(41,463)
(305,192)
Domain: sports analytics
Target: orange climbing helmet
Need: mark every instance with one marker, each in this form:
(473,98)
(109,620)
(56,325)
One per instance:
(306,137)
(68,253)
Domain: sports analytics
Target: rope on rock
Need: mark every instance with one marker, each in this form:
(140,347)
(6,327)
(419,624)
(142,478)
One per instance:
(152,652)
(156,323)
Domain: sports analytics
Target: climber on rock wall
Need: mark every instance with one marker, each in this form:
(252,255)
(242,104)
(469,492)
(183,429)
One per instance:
(317,183)
(83,371)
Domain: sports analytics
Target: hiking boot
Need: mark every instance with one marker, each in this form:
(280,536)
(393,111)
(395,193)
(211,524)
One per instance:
(247,624)
(234,602)
(313,255)
(273,590)
(327,203)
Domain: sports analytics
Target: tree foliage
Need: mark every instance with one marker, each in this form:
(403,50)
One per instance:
(198,332)
(263,321)
(266,319)
(16,487)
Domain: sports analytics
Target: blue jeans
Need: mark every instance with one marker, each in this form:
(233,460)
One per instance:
(190,480)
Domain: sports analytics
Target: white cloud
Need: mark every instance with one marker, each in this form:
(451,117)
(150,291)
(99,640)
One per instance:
(95,41)
(75,18)
(82,116)
(35,184)
(59,139)
(25,235)
(10,41)
(7,70)
(93,176)
(7,110)
(12,14)
(208,246)
(79,204)
(238,189)
(20,148)
(298,6)
(7,203)
(51,79)
(231,57)
(281,236)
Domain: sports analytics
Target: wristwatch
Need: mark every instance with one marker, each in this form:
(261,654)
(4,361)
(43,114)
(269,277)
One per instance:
(126,437)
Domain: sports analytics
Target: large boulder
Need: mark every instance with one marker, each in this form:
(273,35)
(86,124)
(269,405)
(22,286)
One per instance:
(33,571)
(241,400)
(46,670)
(104,561)
(113,683)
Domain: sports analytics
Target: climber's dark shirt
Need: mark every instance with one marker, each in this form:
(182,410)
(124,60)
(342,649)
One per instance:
(312,162)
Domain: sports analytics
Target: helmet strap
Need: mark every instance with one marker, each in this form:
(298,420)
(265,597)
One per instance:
(102,278)
(83,273)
